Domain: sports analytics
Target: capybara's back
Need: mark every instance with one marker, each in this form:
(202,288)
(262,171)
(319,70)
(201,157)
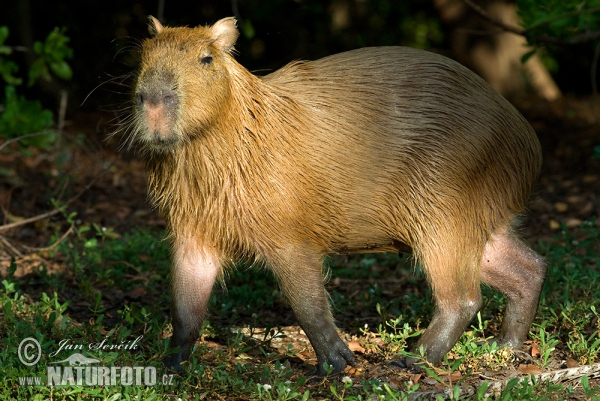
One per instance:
(415,152)
(377,149)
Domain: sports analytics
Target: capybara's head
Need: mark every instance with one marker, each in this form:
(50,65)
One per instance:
(183,82)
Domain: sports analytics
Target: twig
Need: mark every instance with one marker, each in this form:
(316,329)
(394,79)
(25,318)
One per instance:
(20,49)
(55,244)
(51,212)
(8,142)
(563,16)
(496,387)
(62,111)
(572,40)
(30,220)
(493,20)
(11,247)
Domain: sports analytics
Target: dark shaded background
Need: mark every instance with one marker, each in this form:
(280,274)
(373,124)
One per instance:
(273,33)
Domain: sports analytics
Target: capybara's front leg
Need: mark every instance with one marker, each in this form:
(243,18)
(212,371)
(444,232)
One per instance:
(449,322)
(454,277)
(301,278)
(193,274)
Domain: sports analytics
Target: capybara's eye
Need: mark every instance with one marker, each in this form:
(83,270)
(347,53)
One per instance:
(206,60)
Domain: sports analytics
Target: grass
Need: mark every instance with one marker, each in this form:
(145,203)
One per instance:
(106,289)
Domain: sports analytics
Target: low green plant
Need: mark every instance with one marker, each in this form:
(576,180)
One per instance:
(395,334)
(547,341)
(591,393)
(27,119)
(99,264)
(280,387)
(529,388)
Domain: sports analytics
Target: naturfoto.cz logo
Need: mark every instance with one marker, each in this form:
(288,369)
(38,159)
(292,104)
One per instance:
(78,369)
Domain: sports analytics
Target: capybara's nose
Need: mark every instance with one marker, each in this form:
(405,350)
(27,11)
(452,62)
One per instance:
(157,97)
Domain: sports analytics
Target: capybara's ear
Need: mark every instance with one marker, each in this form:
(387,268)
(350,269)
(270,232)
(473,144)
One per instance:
(224,33)
(154,26)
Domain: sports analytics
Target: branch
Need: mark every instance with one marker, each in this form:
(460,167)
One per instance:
(55,244)
(572,40)
(20,49)
(493,20)
(8,142)
(30,220)
(51,212)
(495,387)
(11,247)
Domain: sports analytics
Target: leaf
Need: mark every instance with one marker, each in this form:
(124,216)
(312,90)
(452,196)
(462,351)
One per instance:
(3,33)
(61,69)
(7,68)
(356,347)
(38,69)
(248,29)
(527,56)
(535,351)
(529,369)
(38,48)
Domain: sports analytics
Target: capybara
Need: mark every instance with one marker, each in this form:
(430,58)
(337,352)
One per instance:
(373,150)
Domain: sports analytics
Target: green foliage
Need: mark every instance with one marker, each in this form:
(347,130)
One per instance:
(102,264)
(7,67)
(560,19)
(529,389)
(52,55)
(19,116)
(422,31)
(22,116)
(547,343)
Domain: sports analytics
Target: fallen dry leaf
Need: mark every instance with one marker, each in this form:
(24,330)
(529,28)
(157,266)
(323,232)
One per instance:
(451,377)
(356,347)
(561,206)
(351,370)
(137,293)
(572,363)
(303,356)
(416,377)
(573,222)
(529,369)
(535,351)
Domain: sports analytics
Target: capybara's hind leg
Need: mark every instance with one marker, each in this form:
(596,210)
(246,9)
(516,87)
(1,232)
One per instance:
(300,276)
(457,295)
(518,272)
(193,274)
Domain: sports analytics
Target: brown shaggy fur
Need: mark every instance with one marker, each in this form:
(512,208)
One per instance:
(377,149)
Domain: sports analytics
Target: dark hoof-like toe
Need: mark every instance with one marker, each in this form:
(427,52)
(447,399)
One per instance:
(173,363)
(337,358)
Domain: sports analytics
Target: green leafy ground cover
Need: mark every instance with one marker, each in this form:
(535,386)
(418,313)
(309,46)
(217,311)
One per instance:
(113,288)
